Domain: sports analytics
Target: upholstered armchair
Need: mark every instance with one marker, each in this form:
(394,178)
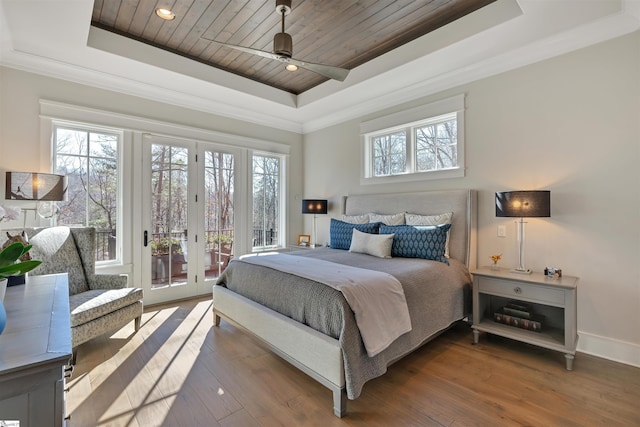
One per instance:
(98,303)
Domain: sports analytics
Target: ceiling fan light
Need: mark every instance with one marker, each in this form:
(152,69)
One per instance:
(165,14)
(291,67)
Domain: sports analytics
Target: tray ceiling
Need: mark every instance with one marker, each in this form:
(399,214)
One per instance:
(333,32)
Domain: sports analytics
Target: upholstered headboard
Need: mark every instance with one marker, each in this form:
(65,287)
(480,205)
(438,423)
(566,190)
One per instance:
(462,240)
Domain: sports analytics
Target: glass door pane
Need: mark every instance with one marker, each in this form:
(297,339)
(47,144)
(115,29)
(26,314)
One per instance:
(218,211)
(169,215)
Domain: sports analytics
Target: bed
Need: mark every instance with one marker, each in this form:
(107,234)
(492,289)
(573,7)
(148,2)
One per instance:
(324,340)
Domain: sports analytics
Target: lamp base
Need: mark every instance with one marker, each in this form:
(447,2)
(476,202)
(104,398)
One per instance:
(521,271)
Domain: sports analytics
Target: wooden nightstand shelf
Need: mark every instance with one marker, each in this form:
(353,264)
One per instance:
(552,299)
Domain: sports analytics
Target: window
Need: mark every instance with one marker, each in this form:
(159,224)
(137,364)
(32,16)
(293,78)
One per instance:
(267,206)
(89,158)
(422,143)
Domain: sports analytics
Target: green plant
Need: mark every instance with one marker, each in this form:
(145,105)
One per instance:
(9,264)
(222,239)
(161,246)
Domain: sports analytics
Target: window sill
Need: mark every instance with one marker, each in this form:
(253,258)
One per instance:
(411,177)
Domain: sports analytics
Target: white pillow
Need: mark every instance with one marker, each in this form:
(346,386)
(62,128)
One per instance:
(394,219)
(371,244)
(445,218)
(415,219)
(356,219)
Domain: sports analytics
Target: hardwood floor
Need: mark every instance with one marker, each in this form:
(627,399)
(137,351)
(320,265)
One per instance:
(179,370)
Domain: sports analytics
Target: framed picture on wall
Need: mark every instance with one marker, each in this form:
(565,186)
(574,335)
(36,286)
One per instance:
(304,239)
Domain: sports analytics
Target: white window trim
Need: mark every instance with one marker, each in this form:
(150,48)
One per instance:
(284,174)
(407,119)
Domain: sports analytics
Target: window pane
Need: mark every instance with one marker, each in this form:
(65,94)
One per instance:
(218,216)
(102,145)
(389,154)
(74,211)
(266,200)
(436,146)
(90,161)
(69,141)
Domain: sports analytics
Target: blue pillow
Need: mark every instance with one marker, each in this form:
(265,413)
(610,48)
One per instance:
(427,242)
(340,232)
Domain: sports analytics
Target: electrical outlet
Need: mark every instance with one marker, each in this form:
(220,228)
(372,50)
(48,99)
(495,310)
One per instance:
(502,231)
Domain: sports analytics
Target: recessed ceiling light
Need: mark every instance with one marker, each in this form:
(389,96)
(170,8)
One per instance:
(291,67)
(165,14)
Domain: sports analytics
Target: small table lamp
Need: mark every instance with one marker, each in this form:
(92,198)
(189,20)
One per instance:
(523,204)
(39,187)
(315,207)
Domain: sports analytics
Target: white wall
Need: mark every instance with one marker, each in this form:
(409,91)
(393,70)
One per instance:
(570,125)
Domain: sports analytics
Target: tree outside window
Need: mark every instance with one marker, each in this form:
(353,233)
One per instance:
(89,158)
(390,154)
(437,146)
(266,200)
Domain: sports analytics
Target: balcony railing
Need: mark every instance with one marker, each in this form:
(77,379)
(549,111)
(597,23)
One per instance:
(106,240)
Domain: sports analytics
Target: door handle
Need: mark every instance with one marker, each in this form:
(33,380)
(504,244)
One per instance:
(146,238)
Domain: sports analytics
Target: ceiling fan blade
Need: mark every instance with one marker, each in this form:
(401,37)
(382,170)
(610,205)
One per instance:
(335,73)
(328,71)
(258,52)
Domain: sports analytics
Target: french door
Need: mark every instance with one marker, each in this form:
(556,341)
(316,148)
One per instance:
(187,217)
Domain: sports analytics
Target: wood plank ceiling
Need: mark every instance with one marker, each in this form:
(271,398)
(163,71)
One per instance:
(332,32)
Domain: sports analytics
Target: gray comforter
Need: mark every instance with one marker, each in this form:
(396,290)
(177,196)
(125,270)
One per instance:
(437,295)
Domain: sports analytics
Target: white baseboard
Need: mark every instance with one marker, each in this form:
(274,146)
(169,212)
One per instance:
(609,348)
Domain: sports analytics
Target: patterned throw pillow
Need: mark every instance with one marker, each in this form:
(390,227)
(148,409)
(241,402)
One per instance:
(427,242)
(445,218)
(340,232)
(393,219)
(415,219)
(356,219)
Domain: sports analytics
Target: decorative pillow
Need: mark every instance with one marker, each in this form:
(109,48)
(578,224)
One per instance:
(415,219)
(445,218)
(371,244)
(418,242)
(356,219)
(394,219)
(340,232)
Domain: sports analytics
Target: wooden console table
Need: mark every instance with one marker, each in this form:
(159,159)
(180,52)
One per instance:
(34,349)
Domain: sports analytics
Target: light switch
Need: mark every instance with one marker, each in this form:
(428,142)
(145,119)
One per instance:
(502,231)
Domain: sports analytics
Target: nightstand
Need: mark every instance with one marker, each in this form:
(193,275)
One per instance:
(551,301)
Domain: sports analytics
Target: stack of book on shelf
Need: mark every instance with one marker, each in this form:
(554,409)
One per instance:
(518,314)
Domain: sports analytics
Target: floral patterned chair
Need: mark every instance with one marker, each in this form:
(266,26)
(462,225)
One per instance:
(98,303)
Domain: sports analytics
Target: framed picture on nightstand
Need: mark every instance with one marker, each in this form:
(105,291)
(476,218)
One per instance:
(304,239)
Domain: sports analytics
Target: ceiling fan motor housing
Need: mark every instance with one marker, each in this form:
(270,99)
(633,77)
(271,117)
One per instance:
(283,44)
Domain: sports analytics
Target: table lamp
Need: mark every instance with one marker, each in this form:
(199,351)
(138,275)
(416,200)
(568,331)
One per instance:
(39,187)
(523,204)
(315,207)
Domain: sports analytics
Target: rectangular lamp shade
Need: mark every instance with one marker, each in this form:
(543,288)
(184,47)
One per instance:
(523,204)
(314,206)
(35,186)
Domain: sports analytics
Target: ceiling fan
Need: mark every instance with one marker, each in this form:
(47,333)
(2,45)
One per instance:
(283,50)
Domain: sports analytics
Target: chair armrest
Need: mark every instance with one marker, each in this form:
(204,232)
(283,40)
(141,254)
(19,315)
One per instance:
(108,281)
